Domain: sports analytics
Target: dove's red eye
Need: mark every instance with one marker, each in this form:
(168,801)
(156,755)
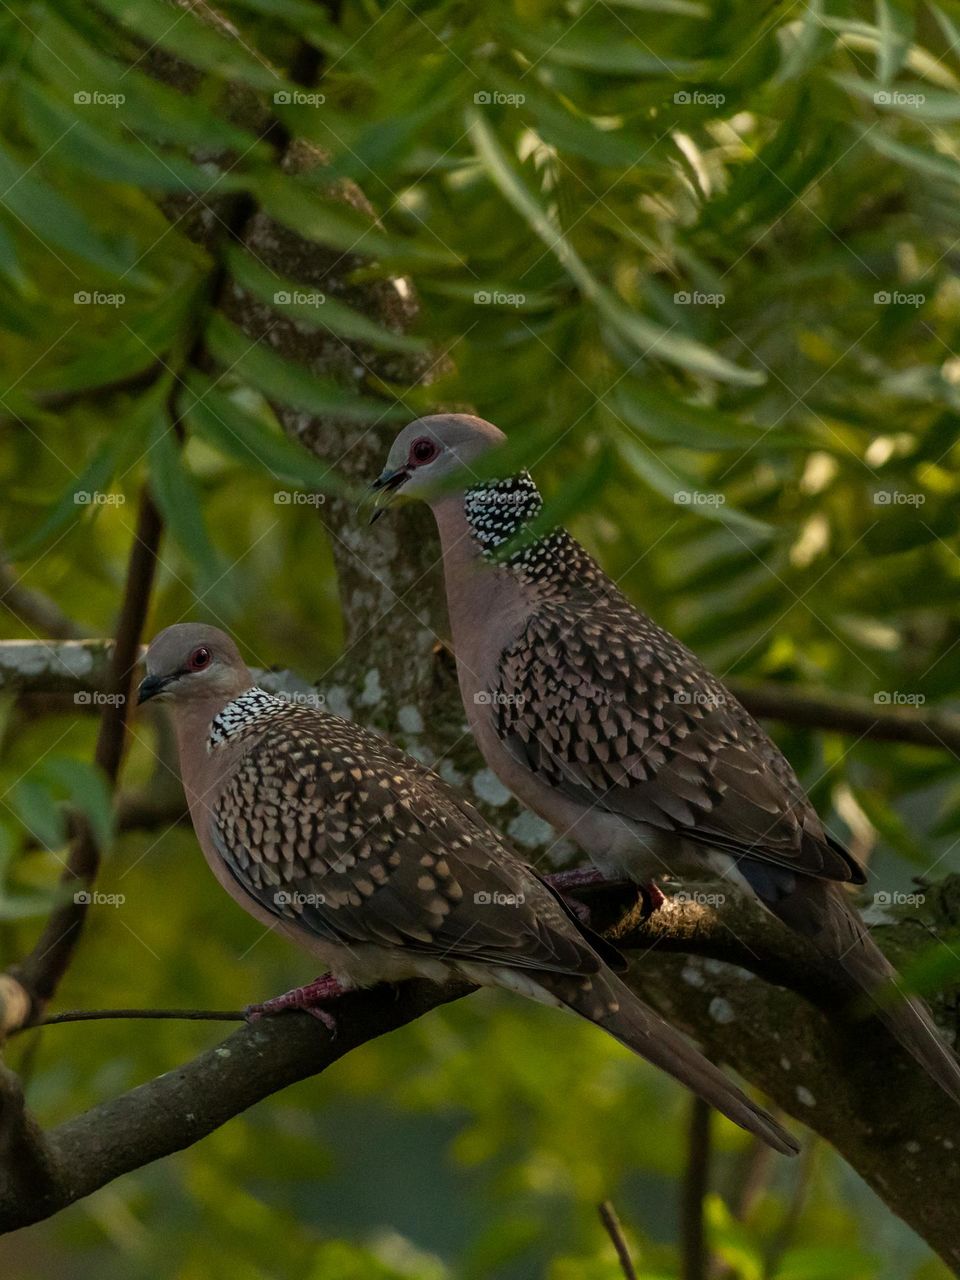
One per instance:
(422,450)
(199,659)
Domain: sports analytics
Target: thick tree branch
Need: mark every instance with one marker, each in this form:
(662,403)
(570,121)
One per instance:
(82,667)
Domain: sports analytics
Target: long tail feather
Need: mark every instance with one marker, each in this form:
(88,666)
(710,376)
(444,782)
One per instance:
(605,1000)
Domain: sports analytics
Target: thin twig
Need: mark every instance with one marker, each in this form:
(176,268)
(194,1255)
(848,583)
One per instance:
(40,972)
(96,1015)
(696,1181)
(608,1216)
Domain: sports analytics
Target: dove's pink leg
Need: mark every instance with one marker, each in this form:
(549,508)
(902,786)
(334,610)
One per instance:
(309,998)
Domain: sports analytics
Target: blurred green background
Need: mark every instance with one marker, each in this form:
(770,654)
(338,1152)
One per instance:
(699,260)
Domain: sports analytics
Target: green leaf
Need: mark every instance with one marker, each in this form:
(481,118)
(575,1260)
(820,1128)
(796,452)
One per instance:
(224,423)
(288,383)
(202,44)
(935,969)
(324,312)
(87,790)
(35,205)
(178,501)
(669,420)
(75,499)
(683,490)
(895,32)
(107,157)
(36,808)
(298,204)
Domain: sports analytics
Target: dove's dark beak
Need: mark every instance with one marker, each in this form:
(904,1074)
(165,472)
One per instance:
(385,487)
(149,687)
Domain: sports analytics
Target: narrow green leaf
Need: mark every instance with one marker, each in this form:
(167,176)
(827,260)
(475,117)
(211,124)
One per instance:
(308,305)
(684,491)
(76,499)
(58,222)
(202,44)
(87,790)
(300,205)
(288,383)
(93,150)
(176,496)
(220,420)
(669,420)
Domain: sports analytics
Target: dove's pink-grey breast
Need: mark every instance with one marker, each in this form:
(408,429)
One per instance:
(372,863)
(611,729)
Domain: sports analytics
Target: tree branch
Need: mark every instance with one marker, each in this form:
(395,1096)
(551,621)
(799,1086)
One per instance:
(39,973)
(83,666)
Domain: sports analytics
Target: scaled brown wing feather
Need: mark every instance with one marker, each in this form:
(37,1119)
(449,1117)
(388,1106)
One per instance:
(331,828)
(613,711)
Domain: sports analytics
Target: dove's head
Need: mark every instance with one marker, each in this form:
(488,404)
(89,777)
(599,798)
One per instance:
(429,454)
(193,661)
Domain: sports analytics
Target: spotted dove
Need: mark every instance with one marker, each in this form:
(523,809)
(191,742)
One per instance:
(371,862)
(609,728)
